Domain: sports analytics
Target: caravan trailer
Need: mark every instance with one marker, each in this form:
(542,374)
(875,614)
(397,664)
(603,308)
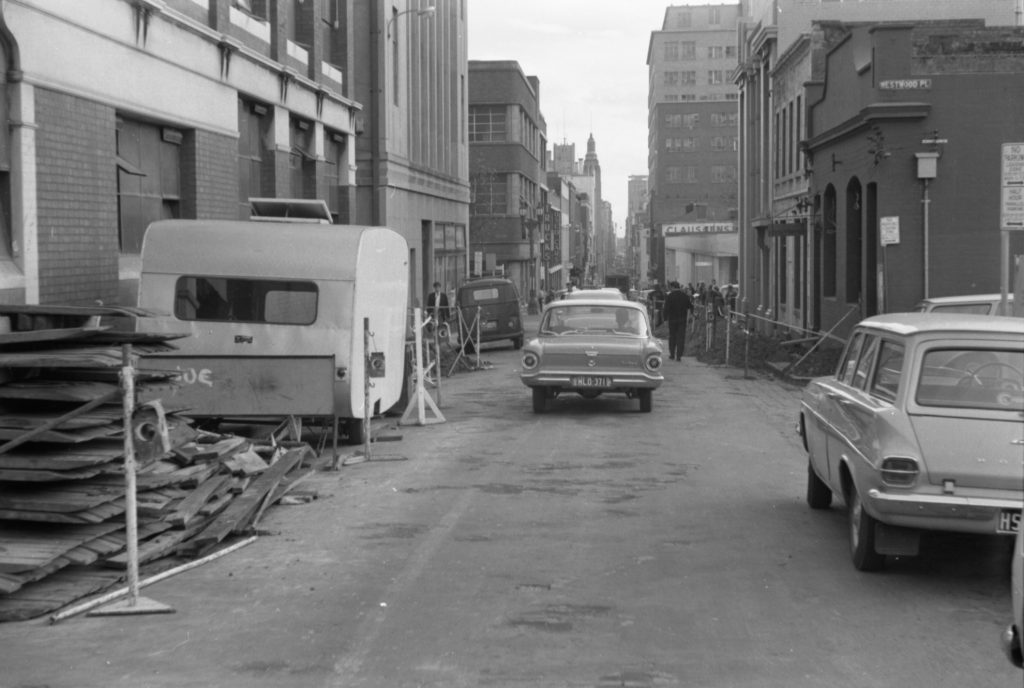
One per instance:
(275,315)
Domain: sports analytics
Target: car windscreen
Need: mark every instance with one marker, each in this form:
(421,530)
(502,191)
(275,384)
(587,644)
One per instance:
(972,378)
(590,319)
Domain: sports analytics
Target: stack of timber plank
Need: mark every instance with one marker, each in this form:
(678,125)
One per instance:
(62,483)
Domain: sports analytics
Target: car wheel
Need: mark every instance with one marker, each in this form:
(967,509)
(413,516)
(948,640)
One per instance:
(646,397)
(540,399)
(819,496)
(862,537)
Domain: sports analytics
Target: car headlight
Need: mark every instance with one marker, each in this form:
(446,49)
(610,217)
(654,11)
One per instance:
(653,362)
(530,360)
(513,324)
(899,471)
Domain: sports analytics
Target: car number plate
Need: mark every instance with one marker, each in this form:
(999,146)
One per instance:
(590,381)
(1009,522)
(490,325)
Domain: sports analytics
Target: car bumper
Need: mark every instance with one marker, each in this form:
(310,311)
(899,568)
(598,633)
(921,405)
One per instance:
(940,512)
(1011,642)
(619,382)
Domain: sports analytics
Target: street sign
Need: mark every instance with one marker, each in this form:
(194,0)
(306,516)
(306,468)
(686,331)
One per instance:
(1011,211)
(889,230)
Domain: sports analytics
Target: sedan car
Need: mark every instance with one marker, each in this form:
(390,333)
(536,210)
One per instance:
(1013,636)
(603,293)
(593,347)
(920,428)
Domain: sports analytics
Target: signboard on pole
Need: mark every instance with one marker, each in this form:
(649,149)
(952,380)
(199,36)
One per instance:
(889,230)
(1011,212)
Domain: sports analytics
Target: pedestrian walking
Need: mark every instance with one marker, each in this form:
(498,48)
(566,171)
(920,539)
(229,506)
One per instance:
(437,304)
(677,307)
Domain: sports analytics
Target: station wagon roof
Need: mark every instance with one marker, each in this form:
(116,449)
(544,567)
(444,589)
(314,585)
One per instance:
(923,323)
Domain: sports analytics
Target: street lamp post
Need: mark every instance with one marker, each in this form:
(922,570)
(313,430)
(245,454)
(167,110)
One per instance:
(531,279)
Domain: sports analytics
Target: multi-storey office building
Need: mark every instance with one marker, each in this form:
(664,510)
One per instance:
(692,141)
(508,143)
(412,156)
(187,108)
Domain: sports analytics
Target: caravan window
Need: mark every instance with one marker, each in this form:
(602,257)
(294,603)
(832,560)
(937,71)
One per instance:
(239,299)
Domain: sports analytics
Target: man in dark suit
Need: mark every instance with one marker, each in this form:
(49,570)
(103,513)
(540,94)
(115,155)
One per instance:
(677,307)
(437,304)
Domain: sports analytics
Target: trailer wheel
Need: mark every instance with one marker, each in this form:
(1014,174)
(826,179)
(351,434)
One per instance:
(355,430)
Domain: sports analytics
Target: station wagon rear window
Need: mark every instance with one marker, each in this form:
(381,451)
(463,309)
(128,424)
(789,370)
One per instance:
(972,378)
(240,299)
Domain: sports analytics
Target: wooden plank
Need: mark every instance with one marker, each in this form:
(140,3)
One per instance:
(77,420)
(58,390)
(19,437)
(97,514)
(49,457)
(60,497)
(29,476)
(49,335)
(56,591)
(243,506)
(26,546)
(191,505)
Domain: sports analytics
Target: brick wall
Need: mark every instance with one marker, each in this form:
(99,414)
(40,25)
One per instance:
(209,176)
(77,198)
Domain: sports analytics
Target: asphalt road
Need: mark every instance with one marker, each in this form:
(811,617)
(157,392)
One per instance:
(590,546)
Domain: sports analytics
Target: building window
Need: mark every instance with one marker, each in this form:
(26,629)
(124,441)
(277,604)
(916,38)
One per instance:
(723,174)
(673,174)
(671,79)
(688,97)
(715,52)
(723,119)
(854,221)
(301,160)
(829,257)
(148,178)
(689,175)
(714,15)
(487,124)
(490,194)
(730,51)
(691,143)
(688,78)
(673,144)
(688,50)
(684,20)
(257,8)
(691,120)
(716,77)
(671,51)
(674,121)
(336,161)
(254,127)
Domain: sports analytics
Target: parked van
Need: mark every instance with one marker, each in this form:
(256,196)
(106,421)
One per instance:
(982,304)
(275,315)
(498,302)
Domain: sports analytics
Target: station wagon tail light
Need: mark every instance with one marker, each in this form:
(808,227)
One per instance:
(899,471)
(530,360)
(652,362)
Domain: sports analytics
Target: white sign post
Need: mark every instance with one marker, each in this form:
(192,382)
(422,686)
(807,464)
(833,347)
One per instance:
(1011,212)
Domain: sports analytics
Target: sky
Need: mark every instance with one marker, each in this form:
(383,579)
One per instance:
(591,59)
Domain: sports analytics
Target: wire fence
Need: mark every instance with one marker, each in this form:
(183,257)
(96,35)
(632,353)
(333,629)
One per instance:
(718,335)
